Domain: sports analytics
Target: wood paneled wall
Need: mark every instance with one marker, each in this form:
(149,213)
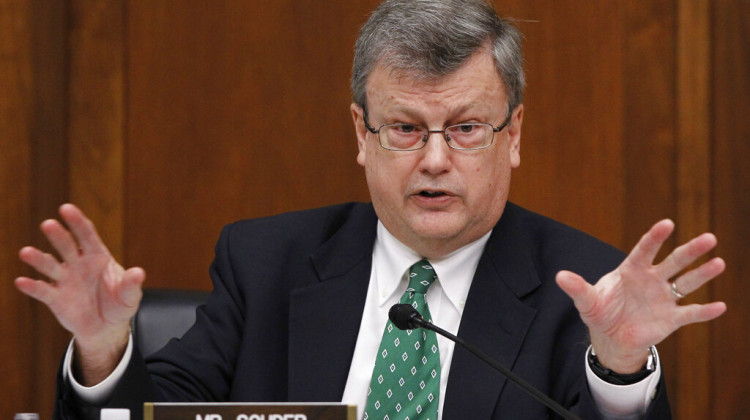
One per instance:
(166,120)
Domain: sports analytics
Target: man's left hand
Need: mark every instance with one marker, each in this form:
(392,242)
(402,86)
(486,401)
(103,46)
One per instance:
(635,306)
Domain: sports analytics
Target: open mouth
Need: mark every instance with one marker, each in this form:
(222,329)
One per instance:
(431,193)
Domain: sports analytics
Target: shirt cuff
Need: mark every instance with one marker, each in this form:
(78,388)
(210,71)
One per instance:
(100,392)
(623,401)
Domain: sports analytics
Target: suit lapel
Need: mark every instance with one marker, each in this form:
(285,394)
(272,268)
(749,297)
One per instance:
(325,317)
(494,319)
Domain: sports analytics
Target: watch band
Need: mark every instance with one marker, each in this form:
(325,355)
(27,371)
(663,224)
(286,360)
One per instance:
(615,378)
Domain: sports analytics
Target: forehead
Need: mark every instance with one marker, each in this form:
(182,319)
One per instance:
(476,84)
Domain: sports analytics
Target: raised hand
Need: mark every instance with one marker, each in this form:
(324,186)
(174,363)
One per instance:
(90,294)
(636,305)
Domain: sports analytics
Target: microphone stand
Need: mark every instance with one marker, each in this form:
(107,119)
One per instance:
(538,395)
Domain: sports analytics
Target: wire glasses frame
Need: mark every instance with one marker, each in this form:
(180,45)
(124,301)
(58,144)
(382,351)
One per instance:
(456,128)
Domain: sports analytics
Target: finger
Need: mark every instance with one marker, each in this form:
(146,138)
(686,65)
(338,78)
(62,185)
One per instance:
(37,289)
(578,289)
(42,262)
(691,314)
(686,254)
(83,229)
(131,287)
(648,246)
(61,239)
(694,279)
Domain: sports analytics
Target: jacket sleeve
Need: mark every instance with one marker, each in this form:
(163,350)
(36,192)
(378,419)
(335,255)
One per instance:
(134,388)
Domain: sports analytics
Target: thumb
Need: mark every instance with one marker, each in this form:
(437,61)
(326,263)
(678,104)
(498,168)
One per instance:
(131,287)
(577,288)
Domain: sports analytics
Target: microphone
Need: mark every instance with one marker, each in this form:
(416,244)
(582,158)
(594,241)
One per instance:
(405,317)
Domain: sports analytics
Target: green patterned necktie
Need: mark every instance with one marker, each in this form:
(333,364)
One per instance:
(405,383)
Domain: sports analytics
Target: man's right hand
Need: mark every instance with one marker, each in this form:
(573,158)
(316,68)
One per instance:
(90,294)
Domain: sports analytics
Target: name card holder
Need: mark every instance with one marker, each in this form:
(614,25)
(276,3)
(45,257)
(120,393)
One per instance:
(249,411)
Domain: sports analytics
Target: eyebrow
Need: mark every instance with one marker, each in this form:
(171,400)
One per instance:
(415,114)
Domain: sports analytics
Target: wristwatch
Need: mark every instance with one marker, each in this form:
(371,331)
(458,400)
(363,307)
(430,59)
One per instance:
(615,378)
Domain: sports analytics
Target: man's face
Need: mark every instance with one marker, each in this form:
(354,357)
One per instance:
(436,199)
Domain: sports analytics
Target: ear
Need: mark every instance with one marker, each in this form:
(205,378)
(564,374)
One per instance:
(514,137)
(361,131)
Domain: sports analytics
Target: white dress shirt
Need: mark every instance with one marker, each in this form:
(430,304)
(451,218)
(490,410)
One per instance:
(388,280)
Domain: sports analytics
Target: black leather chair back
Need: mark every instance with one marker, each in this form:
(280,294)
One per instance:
(164,314)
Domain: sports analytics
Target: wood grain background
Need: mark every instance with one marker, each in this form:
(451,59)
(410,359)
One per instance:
(165,120)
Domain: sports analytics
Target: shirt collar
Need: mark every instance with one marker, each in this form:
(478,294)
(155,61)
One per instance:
(455,271)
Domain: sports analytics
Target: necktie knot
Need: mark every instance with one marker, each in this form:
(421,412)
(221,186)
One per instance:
(421,276)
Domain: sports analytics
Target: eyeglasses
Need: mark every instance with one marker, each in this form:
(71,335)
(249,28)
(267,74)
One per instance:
(464,136)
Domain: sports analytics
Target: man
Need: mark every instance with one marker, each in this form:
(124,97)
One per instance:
(300,300)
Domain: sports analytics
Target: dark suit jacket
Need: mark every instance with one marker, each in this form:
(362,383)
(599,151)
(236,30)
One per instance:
(282,321)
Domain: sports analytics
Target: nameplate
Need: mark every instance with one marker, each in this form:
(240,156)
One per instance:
(249,411)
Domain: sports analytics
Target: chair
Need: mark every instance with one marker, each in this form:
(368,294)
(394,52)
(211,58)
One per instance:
(164,314)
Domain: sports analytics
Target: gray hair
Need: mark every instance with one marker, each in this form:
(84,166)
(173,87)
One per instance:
(429,39)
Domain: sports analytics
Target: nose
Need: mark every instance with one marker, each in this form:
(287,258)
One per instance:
(436,158)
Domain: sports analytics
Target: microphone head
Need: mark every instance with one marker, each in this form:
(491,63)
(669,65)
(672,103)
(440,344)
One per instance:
(404,316)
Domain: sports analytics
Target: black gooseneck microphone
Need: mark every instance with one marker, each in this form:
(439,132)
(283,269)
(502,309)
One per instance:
(405,317)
